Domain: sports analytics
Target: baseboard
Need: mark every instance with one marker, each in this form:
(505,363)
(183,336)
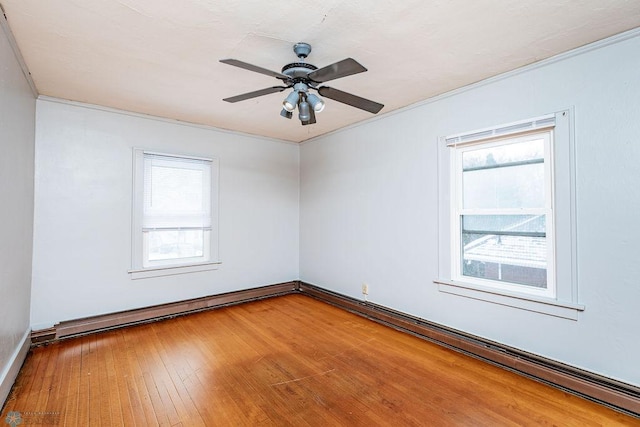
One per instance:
(10,372)
(617,395)
(72,328)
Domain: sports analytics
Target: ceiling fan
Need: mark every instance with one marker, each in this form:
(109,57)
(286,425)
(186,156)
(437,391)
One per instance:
(304,77)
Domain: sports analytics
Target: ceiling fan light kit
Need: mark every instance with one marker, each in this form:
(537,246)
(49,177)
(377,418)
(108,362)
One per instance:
(291,101)
(305,112)
(316,102)
(303,77)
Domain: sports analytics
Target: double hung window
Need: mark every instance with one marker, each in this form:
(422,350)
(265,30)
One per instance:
(508,222)
(503,213)
(174,221)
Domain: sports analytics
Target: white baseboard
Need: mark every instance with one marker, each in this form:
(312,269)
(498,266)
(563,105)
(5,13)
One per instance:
(10,371)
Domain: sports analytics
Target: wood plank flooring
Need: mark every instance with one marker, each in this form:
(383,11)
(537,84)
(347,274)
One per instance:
(289,360)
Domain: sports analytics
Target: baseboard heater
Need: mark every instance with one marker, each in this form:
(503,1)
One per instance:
(87,325)
(617,395)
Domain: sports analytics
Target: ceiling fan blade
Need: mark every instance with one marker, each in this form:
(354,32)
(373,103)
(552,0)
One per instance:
(350,99)
(312,118)
(255,68)
(343,68)
(255,93)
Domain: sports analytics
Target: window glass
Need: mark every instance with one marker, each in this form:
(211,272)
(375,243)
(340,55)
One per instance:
(505,248)
(175,244)
(507,176)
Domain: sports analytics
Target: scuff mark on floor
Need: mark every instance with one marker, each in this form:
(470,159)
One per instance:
(303,378)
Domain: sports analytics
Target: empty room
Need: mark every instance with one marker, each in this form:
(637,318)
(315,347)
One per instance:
(417,213)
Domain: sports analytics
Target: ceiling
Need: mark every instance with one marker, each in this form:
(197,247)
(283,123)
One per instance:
(162,57)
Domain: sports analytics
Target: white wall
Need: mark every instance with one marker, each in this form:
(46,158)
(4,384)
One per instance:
(17,123)
(83,180)
(369,208)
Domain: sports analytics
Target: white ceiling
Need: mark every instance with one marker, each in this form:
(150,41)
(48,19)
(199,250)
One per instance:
(161,57)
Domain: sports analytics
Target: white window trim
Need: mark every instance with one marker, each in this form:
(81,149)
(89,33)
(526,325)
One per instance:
(565,304)
(138,271)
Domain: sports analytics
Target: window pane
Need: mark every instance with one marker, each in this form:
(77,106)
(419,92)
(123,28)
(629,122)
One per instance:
(516,253)
(175,244)
(505,187)
(508,176)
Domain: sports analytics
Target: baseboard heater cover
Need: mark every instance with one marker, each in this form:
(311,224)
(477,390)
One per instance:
(76,327)
(617,395)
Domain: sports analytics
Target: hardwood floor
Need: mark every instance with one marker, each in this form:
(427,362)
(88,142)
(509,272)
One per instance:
(289,360)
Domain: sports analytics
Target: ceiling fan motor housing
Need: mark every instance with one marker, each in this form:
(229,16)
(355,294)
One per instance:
(298,71)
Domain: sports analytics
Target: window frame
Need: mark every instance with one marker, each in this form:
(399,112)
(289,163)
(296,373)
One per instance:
(458,210)
(565,302)
(142,268)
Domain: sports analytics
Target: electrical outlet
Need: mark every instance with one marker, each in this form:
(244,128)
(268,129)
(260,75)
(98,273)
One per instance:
(365,289)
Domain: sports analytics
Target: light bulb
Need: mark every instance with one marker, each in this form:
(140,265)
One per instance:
(291,101)
(316,102)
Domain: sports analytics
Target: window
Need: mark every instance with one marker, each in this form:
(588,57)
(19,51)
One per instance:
(503,213)
(174,214)
(507,216)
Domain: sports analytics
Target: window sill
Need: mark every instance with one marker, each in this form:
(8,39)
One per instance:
(566,310)
(172,270)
